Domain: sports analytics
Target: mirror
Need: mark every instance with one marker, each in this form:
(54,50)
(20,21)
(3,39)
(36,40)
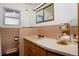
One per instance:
(74,30)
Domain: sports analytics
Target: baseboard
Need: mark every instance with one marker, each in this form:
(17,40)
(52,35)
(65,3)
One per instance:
(11,50)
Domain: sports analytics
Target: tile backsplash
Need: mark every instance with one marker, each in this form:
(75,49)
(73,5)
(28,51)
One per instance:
(28,31)
(49,31)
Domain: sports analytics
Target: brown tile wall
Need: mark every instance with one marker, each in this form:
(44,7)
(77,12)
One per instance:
(49,31)
(25,32)
(8,35)
(74,30)
(28,31)
(0,29)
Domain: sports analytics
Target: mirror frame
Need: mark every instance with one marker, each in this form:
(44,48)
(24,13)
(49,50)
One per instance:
(43,14)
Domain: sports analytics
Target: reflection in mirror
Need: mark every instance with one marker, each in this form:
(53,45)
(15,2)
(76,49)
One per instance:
(65,28)
(39,16)
(74,30)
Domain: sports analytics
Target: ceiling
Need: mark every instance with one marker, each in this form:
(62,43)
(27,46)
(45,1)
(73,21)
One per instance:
(32,4)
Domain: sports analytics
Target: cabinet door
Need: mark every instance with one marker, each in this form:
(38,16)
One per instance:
(48,53)
(32,51)
(26,50)
(35,50)
(40,51)
(29,48)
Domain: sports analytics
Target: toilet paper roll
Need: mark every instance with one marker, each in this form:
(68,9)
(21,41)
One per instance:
(16,39)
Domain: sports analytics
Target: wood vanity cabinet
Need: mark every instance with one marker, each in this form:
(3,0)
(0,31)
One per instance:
(30,49)
(26,50)
(49,53)
(40,51)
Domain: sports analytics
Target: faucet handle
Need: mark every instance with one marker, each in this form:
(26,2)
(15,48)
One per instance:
(58,36)
(40,35)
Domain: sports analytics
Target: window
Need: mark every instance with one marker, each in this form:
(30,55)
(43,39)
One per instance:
(39,17)
(11,17)
(46,13)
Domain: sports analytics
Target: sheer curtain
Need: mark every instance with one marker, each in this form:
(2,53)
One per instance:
(12,17)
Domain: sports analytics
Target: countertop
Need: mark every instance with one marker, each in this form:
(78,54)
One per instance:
(51,45)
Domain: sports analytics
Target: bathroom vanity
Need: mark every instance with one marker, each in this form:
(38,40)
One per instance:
(31,49)
(47,47)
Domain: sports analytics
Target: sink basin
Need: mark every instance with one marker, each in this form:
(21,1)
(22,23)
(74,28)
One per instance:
(63,42)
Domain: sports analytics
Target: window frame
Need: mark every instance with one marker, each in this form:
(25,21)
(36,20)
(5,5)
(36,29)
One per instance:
(44,15)
(11,17)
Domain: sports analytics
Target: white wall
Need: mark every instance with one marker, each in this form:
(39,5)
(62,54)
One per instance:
(31,15)
(1,15)
(63,13)
(74,22)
